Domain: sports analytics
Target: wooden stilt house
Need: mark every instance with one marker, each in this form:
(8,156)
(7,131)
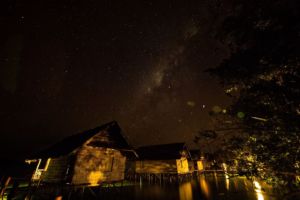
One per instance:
(160,159)
(197,160)
(91,157)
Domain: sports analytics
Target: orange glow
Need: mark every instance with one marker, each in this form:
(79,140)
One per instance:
(224,167)
(182,166)
(257,185)
(227,181)
(95,178)
(97,165)
(185,191)
(216,180)
(258,190)
(204,187)
(260,196)
(200,165)
(226,176)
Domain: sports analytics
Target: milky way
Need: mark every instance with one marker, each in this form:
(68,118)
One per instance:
(69,67)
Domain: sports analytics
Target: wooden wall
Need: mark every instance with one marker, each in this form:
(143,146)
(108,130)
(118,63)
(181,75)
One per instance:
(95,165)
(182,165)
(88,164)
(57,170)
(156,166)
(200,165)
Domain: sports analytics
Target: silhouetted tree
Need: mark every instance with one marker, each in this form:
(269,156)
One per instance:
(262,75)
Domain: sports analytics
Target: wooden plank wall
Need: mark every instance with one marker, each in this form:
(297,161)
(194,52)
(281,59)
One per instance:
(182,165)
(56,171)
(95,165)
(156,166)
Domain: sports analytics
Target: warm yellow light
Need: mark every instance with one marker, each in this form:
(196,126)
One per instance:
(30,161)
(95,177)
(47,164)
(260,196)
(185,191)
(204,187)
(257,185)
(182,165)
(200,165)
(258,191)
(224,167)
(227,181)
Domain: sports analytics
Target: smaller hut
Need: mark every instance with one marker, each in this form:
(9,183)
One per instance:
(88,158)
(197,160)
(163,159)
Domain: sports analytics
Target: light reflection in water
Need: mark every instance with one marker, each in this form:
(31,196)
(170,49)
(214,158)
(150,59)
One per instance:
(258,190)
(227,182)
(226,176)
(260,196)
(185,191)
(235,183)
(204,186)
(216,180)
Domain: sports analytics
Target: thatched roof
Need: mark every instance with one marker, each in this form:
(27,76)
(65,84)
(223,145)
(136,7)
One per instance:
(69,144)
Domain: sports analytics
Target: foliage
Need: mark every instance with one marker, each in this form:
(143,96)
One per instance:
(262,75)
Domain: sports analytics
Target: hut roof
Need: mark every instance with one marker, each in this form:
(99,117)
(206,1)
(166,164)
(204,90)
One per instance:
(195,154)
(162,152)
(67,145)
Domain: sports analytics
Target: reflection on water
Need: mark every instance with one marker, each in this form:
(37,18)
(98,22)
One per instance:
(227,181)
(216,180)
(226,176)
(204,187)
(216,186)
(258,191)
(185,191)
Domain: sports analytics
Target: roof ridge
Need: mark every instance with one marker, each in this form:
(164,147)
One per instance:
(72,142)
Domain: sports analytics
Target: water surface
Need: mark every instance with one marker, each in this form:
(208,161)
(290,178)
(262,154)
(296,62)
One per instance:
(204,187)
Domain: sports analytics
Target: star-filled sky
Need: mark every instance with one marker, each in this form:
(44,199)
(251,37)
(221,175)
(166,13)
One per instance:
(68,66)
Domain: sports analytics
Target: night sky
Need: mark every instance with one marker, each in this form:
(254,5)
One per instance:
(68,66)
